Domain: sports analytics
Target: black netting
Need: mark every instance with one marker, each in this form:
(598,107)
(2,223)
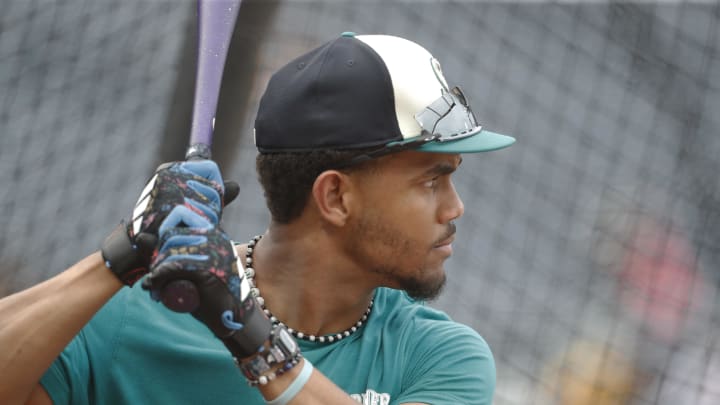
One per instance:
(588,253)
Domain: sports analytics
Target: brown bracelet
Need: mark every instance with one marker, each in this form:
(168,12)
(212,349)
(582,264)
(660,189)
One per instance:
(266,376)
(278,355)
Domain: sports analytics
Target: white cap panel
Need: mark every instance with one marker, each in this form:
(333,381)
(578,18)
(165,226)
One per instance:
(416,77)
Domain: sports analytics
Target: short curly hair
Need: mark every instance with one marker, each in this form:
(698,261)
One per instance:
(287,178)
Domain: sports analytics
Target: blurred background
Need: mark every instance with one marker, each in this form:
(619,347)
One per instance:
(588,253)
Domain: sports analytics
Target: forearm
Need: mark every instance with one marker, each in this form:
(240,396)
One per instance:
(37,323)
(318,389)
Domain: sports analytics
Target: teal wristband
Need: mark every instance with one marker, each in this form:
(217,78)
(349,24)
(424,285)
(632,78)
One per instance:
(294,388)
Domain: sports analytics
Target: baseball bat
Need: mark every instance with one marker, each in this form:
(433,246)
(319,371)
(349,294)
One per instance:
(216,21)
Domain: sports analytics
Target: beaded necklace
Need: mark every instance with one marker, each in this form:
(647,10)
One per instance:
(250,276)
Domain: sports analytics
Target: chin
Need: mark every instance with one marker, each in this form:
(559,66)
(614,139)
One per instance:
(426,290)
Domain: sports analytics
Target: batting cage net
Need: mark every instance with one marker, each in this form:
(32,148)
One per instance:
(588,253)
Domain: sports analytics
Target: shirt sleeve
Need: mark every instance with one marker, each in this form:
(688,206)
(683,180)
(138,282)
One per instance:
(67,379)
(71,377)
(449,363)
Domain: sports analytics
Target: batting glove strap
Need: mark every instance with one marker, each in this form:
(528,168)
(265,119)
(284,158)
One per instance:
(128,259)
(252,336)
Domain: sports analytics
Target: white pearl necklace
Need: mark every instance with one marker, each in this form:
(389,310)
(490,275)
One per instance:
(250,276)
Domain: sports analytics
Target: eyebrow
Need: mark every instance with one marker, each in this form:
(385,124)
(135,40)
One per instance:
(443,168)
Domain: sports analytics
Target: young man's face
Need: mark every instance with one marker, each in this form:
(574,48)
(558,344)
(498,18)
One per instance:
(404,228)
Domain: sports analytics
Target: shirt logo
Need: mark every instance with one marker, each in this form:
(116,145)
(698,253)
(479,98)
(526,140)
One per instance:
(371,397)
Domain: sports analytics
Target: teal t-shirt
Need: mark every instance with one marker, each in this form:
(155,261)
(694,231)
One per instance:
(135,351)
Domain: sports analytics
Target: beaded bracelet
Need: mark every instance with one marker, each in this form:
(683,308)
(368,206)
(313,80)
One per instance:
(270,375)
(275,357)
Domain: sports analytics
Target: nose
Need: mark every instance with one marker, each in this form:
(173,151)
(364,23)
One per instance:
(452,207)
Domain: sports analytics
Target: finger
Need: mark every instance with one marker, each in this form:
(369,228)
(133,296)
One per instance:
(208,212)
(232,189)
(210,193)
(147,285)
(183,216)
(203,168)
(165,272)
(161,276)
(176,241)
(170,271)
(186,257)
(146,243)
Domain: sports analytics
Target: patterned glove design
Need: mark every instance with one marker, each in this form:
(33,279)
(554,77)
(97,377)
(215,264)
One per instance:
(196,185)
(195,250)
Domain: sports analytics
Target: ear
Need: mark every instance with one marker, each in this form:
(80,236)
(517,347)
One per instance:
(333,193)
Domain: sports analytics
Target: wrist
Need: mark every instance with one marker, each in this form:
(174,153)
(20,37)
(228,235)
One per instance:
(287,387)
(278,355)
(127,259)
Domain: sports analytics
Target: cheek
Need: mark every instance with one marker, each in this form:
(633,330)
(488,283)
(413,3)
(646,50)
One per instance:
(417,216)
(398,238)
(398,220)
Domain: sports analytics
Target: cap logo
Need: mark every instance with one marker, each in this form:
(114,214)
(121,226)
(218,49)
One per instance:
(437,69)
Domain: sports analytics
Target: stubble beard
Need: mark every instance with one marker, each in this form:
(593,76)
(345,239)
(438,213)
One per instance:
(372,230)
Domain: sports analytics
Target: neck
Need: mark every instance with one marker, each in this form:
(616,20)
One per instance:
(307,284)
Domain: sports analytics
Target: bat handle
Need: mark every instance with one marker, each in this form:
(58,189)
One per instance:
(180,296)
(198,151)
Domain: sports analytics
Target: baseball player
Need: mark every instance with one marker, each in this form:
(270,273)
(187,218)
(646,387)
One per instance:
(358,140)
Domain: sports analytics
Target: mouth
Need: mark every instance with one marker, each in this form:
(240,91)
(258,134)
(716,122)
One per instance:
(449,236)
(444,247)
(445,242)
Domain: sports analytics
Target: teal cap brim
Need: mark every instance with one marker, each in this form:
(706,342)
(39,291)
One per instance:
(483,141)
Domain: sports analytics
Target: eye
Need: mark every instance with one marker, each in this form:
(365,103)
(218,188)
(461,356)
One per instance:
(432,183)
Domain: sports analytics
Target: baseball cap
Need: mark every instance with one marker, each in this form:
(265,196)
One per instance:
(365,91)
